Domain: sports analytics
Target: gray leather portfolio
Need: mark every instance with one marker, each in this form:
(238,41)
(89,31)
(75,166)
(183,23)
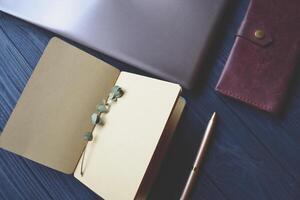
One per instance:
(167,38)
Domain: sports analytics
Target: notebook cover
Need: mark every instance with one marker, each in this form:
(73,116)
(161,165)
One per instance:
(161,150)
(260,68)
(169,39)
(49,120)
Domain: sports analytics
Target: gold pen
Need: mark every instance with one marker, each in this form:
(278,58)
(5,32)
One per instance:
(199,159)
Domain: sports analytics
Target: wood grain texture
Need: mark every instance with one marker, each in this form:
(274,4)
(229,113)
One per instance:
(253,155)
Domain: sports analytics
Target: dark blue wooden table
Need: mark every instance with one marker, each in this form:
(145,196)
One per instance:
(253,155)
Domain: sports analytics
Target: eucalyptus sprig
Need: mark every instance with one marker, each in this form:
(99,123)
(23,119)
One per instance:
(96,118)
(103,108)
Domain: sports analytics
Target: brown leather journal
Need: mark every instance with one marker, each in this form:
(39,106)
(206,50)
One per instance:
(264,56)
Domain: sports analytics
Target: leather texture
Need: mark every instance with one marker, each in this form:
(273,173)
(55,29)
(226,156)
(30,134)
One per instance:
(259,70)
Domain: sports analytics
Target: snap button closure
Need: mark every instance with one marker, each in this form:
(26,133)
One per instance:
(259,34)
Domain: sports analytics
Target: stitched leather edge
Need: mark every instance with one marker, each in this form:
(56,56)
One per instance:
(245,99)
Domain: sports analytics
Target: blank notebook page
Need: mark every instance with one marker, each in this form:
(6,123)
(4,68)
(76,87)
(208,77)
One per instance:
(118,157)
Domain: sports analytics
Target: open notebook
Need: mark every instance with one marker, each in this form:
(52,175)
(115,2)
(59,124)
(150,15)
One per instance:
(53,112)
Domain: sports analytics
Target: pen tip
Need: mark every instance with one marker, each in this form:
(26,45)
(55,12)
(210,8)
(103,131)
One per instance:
(214,115)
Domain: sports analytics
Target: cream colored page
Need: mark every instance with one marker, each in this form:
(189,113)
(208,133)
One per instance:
(49,120)
(161,150)
(117,159)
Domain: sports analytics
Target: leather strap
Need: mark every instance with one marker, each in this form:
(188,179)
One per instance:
(248,30)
